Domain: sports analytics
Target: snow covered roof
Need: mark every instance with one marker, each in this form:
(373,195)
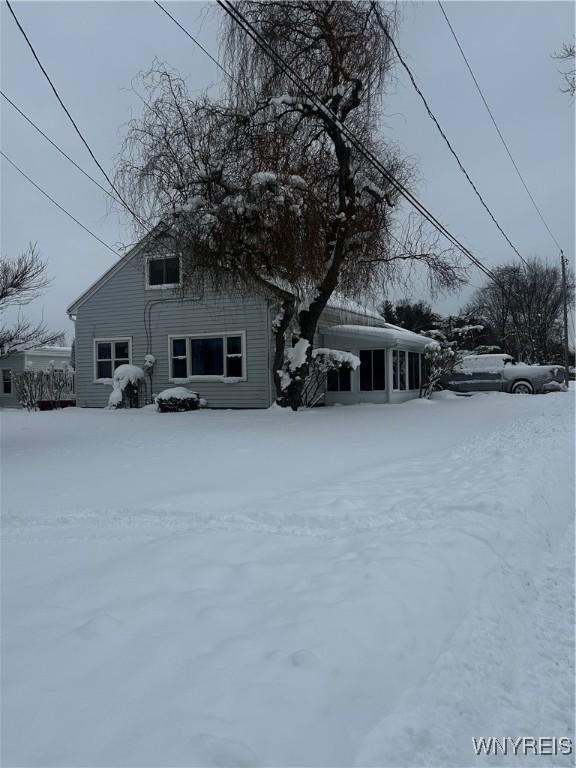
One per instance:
(49,350)
(349,305)
(390,334)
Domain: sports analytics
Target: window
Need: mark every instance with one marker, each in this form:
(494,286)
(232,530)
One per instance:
(6,381)
(413,370)
(179,359)
(163,271)
(207,356)
(372,369)
(340,380)
(109,354)
(399,368)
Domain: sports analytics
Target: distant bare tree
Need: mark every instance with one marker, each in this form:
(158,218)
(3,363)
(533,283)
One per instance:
(524,309)
(567,54)
(21,281)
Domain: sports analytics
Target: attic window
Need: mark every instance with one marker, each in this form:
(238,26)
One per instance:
(163,271)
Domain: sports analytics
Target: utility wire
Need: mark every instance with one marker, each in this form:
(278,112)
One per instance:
(447,141)
(39,188)
(76,128)
(53,143)
(247,27)
(194,40)
(502,139)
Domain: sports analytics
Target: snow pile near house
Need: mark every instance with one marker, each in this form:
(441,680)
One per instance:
(369,585)
(337,356)
(177,393)
(123,375)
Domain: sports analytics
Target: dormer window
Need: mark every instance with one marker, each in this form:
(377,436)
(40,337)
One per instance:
(163,272)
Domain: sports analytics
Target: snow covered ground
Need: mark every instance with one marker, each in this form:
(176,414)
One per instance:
(369,585)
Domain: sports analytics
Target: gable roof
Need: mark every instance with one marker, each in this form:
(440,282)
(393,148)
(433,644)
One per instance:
(122,261)
(337,301)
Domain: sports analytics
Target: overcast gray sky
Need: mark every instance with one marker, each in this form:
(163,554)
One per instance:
(93,50)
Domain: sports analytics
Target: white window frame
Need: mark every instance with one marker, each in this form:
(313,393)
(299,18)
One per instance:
(224,336)
(109,340)
(163,286)
(9,379)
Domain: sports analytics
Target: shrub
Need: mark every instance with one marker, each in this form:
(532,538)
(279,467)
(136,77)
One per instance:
(178,399)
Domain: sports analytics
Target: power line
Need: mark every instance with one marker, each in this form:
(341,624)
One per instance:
(53,143)
(502,139)
(447,141)
(76,128)
(39,188)
(247,27)
(194,40)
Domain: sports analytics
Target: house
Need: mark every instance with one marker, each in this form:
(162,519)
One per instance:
(38,358)
(218,344)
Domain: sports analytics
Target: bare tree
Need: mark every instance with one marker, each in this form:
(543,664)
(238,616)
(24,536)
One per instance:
(567,54)
(263,191)
(524,309)
(21,281)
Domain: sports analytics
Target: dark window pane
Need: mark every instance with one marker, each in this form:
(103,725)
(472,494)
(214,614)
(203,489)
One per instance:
(172,276)
(413,370)
(178,347)
(345,379)
(396,368)
(402,369)
(104,351)
(7,381)
(207,357)
(366,370)
(120,361)
(234,366)
(179,368)
(378,375)
(121,351)
(234,345)
(156,271)
(104,369)
(332,381)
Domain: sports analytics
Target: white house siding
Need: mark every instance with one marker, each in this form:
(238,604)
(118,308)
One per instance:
(117,310)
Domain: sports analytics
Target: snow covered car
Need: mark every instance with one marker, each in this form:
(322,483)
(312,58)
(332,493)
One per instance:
(501,373)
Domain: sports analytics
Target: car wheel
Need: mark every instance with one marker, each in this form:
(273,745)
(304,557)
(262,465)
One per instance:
(522,388)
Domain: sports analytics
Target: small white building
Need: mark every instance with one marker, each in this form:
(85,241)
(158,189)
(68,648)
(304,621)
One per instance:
(38,359)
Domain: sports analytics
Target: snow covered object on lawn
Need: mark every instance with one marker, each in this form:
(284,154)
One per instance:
(124,376)
(178,399)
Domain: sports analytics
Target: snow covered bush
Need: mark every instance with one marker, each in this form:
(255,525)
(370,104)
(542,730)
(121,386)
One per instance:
(125,386)
(29,388)
(439,358)
(51,386)
(324,361)
(178,399)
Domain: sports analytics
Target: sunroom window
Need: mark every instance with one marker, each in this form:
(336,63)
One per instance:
(372,370)
(109,355)
(340,380)
(207,356)
(6,381)
(399,369)
(163,271)
(413,370)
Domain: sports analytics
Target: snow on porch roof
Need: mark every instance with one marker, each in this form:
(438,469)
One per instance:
(390,335)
